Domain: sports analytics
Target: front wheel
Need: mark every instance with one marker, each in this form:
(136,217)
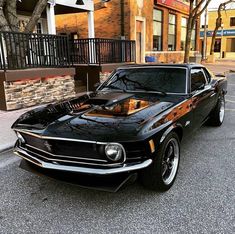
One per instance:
(161,174)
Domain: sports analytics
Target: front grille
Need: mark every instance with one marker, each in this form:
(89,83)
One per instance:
(69,152)
(59,150)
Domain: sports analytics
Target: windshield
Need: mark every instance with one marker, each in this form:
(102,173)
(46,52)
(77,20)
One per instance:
(163,80)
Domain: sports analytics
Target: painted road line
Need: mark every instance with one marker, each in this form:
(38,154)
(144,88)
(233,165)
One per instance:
(8,161)
(230,109)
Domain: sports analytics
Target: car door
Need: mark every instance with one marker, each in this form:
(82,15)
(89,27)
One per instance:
(201,92)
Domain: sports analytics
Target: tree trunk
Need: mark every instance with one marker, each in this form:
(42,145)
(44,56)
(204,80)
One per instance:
(11,15)
(218,24)
(194,13)
(188,40)
(3,22)
(39,8)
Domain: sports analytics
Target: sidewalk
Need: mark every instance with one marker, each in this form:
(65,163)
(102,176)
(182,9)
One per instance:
(8,138)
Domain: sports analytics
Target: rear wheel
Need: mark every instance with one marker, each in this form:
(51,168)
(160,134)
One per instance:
(161,174)
(218,114)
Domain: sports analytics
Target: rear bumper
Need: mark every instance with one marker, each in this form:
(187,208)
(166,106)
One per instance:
(85,170)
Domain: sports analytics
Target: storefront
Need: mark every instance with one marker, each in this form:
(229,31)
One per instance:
(225,37)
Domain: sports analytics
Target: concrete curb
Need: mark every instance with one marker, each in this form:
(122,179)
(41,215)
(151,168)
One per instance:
(6,147)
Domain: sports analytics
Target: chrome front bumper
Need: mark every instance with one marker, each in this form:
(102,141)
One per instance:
(95,171)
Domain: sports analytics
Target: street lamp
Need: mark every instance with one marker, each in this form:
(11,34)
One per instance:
(222,33)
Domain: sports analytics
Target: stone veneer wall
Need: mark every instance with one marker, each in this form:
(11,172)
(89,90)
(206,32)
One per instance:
(25,93)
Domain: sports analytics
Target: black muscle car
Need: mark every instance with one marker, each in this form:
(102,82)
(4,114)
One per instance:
(133,123)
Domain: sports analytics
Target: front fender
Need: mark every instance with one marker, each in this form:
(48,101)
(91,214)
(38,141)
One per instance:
(178,128)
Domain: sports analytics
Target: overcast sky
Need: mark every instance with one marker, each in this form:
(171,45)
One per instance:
(215,3)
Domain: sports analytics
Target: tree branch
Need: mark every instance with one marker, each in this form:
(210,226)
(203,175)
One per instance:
(199,4)
(204,8)
(39,8)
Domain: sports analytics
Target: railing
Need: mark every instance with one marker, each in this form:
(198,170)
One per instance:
(100,51)
(22,50)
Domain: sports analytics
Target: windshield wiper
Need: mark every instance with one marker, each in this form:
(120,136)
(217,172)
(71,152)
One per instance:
(151,90)
(112,87)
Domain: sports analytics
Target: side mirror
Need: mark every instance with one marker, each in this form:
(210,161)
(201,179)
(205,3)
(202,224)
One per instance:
(220,75)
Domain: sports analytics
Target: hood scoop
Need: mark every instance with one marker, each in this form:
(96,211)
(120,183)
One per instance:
(107,99)
(126,107)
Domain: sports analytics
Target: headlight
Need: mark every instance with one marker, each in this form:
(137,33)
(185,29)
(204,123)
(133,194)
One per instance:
(20,137)
(114,152)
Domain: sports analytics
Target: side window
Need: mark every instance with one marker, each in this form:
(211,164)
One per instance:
(197,79)
(207,74)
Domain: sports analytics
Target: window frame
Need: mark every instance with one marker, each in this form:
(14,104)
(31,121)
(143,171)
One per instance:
(154,20)
(206,81)
(175,31)
(232,21)
(207,74)
(184,27)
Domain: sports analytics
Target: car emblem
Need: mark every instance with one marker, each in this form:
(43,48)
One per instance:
(48,146)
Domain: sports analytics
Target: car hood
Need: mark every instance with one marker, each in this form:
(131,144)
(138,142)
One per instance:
(102,116)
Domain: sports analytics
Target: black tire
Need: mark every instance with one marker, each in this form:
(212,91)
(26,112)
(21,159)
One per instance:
(153,177)
(217,115)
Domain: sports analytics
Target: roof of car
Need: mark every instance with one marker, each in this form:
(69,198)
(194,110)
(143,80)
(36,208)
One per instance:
(146,65)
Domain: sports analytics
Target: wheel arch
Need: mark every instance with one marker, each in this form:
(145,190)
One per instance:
(178,129)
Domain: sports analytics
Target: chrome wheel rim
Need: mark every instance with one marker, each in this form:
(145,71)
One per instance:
(170,161)
(222,110)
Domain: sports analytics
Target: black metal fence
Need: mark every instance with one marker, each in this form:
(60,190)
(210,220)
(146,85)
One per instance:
(100,51)
(23,50)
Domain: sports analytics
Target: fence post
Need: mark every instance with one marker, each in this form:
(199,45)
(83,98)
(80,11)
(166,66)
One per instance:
(68,51)
(99,51)
(2,52)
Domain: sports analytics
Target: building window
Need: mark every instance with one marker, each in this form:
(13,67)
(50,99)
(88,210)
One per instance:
(217,45)
(232,21)
(39,28)
(157,30)
(203,26)
(230,45)
(183,32)
(171,32)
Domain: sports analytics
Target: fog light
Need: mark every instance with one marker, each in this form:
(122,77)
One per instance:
(20,137)
(114,152)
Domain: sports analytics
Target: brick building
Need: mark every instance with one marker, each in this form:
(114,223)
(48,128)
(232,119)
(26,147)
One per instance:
(158,26)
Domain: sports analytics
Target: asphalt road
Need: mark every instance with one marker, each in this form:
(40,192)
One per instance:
(201,200)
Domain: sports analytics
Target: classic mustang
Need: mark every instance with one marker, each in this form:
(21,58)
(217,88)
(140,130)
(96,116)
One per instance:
(132,124)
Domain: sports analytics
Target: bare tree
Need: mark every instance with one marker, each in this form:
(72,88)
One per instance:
(218,23)
(196,8)
(9,18)
(9,22)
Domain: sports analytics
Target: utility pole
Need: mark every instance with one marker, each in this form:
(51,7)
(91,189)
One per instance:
(221,42)
(204,57)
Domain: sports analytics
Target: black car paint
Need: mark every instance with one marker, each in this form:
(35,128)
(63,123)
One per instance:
(181,113)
